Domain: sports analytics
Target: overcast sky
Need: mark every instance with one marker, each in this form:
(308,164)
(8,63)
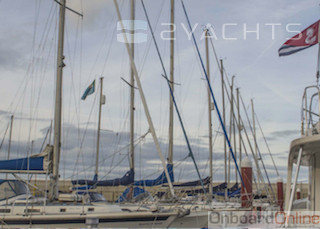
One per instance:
(28,46)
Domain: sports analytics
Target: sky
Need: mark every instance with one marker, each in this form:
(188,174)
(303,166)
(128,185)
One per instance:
(246,36)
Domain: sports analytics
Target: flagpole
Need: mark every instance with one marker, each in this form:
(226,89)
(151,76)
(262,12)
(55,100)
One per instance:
(101,102)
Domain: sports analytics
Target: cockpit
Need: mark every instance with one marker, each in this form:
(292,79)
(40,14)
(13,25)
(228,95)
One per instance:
(12,188)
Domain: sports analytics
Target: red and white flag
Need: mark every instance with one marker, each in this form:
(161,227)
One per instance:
(307,38)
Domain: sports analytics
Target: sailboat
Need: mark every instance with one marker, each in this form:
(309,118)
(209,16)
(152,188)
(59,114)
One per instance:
(18,208)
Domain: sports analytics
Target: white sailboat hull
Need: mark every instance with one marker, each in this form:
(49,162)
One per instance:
(81,216)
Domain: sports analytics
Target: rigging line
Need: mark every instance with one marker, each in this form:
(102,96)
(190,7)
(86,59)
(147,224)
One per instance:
(71,54)
(187,83)
(119,139)
(111,41)
(73,11)
(148,175)
(101,49)
(124,157)
(25,85)
(84,134)
(41,82)
(111,169)
(137,141)
(147,51)
(177,164)
(214,52)
(265,140)
(128,83)
(28,72)
(41,47)
(213,97)
(5,133)
(80,74)
(255,141)
(77,109)
(173,98)
(45,139)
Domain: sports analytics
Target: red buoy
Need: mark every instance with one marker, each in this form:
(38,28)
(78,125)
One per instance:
(280,193)
(246,190)
(298,194)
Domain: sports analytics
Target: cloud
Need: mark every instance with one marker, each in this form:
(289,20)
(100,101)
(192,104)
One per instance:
(12,52)
(3,112)
(94,12)
(282,134)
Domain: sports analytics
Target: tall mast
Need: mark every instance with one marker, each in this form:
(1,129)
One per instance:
(170,151)
(10,137)
(256,156)
(254,130)
(239,128)
(231,131)
(101,102)
(54,179)
(209,120)
(224,122)
(234,131)
(132,108)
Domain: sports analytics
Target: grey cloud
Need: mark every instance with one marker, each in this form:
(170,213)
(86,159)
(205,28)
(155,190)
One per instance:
(285,133)
(282,134)
(2,112)
(13,52)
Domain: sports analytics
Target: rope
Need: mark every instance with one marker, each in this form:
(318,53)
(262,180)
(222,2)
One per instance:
(265,140)
(138,140)
(5,133)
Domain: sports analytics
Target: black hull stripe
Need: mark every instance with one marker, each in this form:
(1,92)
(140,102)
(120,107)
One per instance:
(81,221)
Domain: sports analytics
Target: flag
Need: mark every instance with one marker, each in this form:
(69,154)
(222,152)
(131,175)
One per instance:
(305,39)
(89,90)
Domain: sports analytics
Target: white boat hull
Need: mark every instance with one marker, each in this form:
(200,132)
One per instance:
(91,216)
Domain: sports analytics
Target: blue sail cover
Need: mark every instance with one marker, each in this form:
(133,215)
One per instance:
(127,179)
(35,164)
(234,191)
(219,188)
(231,193)
(131,193)
(22,164)
(162,179)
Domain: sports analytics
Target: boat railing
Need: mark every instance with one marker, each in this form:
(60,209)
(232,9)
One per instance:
(310,118)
